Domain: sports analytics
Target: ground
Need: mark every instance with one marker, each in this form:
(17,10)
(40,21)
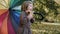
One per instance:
(40,28)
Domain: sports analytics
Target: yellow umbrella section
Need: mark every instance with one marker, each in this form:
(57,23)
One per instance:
(4,5)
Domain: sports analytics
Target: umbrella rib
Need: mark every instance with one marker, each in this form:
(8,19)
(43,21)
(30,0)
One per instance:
(5,2)
(3,5)
(8,3)
(11,2)
(16,1)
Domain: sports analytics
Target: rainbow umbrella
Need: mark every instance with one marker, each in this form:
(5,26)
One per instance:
(9,16)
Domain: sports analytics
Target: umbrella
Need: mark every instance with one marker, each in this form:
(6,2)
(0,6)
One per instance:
(9,16)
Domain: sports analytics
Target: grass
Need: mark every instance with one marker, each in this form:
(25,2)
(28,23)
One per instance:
(38,28)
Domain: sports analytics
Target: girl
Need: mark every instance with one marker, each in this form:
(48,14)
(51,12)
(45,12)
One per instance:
(26,18)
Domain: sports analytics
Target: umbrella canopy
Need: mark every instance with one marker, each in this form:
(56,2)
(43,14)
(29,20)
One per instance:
(9,16)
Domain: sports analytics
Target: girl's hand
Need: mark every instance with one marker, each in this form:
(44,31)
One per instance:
(32,20)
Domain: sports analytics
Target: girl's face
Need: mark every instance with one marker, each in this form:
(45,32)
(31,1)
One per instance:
(29,11)
(30,7)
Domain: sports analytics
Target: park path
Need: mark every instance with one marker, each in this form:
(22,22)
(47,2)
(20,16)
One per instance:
(50,23)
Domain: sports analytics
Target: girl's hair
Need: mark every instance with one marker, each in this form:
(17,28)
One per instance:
(25,5)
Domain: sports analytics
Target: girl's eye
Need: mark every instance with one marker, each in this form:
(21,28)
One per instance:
(30,5)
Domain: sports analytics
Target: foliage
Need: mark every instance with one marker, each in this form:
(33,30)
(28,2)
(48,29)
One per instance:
(47,10)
